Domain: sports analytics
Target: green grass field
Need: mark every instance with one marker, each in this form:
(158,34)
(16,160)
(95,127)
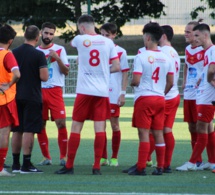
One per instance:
(112,180)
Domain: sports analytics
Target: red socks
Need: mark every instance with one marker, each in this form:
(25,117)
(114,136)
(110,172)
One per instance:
(211,147)
(200,145)
(73,145)
(152,146)
(98,148)
(3,154)
(104,154)
(194,137)
(143,153)
(116,139)
(160,154)
(44,143)
(62,142)
(170,145)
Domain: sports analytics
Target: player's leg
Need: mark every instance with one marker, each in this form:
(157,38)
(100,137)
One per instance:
(62,139)
(44,145)
(116,139)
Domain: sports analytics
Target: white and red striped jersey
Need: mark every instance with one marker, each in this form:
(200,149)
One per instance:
(154,67)
(56,78)
(94,54)
(116,78)
(205,91)
(175,61)
(194,60)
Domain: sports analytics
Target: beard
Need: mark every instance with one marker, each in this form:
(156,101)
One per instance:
(46,41)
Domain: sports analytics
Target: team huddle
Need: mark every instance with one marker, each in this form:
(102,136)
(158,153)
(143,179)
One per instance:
(25,103)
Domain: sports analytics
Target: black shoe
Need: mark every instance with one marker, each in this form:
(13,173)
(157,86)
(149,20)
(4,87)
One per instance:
(30,169)
(132,168)
(137,172)
(167,170)
(65,170)
(157,171)
(96,172)
(16,168)
(198,164)
(6,166)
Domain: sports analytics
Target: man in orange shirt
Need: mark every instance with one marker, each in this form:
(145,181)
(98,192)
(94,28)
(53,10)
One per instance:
(9,75)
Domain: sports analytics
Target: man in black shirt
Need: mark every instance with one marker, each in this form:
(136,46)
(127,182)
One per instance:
(33,68)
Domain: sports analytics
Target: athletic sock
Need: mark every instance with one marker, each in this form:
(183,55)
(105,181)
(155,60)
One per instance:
(200,145)
(44,143)
(143,152)
(3,154)
(170,145)
(62,142)
(104,153)
(26,160)
(73,145)
(98,148)
(211,147)
(194,136)
(152,146)
(116,139)
(16,158)
(160,154)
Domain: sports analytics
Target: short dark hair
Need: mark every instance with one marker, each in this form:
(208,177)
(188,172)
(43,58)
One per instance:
(6,33)
(48,25)
(154,29)
(202,27)
(109,27)
(195,23)
(85,18)
(168,31)
(31,32)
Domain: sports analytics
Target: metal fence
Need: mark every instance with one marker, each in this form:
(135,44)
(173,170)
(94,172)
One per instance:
(71,79)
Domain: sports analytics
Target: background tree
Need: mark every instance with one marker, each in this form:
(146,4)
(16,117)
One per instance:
(63,12)
(208,4)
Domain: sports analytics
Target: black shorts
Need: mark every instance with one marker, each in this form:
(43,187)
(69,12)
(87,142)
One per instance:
(30,116)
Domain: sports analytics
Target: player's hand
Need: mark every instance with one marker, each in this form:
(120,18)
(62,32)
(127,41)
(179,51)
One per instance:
(53,54)
(121,100)
(4,86)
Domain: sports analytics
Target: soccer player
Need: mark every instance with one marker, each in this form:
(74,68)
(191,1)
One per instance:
(205,109)
(152,79)
(92,101)
(33,68)
(52,94)
(117,91)
(149,161)
(194,61)
(9,75)
(172,98)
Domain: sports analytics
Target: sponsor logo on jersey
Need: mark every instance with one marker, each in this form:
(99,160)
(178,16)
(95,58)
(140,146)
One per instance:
(151,59)
(87,43)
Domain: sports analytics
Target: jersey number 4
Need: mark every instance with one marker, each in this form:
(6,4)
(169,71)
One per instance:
(94,58)
(155,74)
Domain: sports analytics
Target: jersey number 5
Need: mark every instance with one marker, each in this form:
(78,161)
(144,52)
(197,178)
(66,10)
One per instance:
(94,58)
(155,74)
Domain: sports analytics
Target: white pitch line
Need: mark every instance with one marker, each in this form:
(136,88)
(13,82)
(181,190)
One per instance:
(88,193)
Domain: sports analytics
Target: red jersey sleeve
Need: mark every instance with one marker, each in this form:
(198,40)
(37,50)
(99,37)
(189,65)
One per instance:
(10,62)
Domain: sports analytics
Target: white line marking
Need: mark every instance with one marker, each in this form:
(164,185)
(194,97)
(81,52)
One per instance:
(88,193)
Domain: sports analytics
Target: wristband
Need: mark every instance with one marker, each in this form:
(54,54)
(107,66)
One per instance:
(123,92)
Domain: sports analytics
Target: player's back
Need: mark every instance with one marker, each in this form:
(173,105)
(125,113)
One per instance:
(154,66)
(94,55)
(175,61)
